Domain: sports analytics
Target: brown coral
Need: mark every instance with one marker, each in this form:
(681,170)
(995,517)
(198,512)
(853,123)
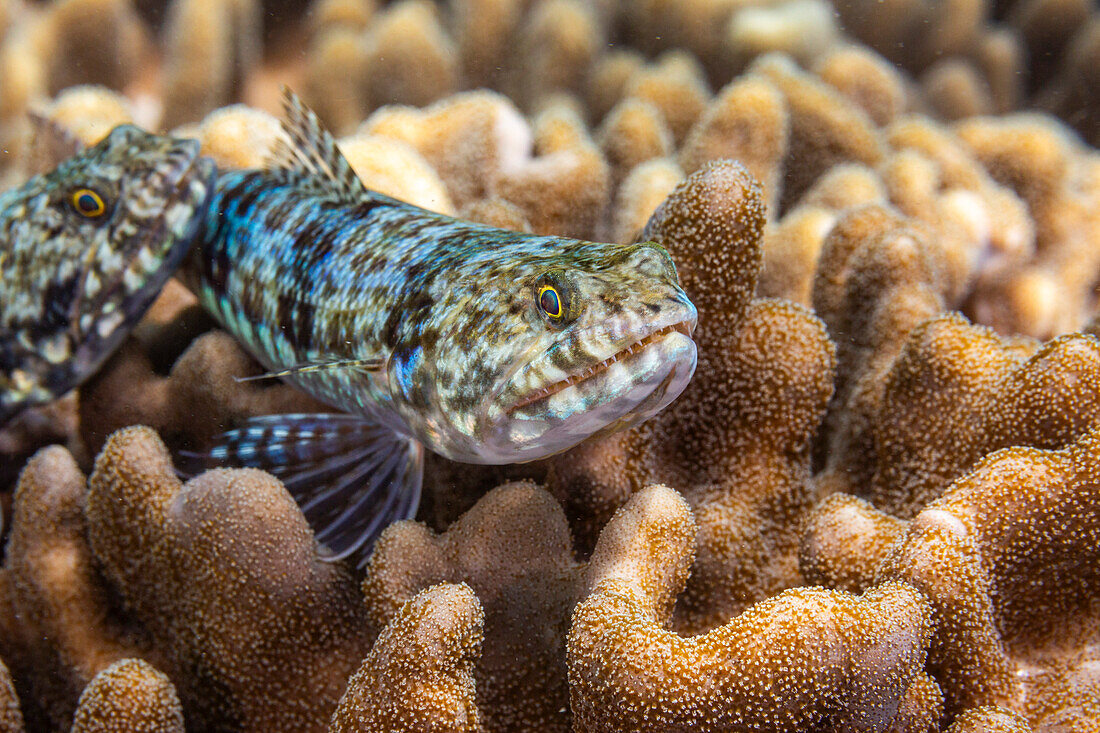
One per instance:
(93,42)
(130,696)
(212,45)
(772,668)
(878,216)
(632,133)
(913,35)
(334,85)
(824,129)
(238,136)
(675,85)
(985,554)
(11,719)
(793,244)
(736,441)
(565,188)
(643,190)
(878,276)
(89,113)
(469,139)
(801,29)
(410,58)
(866,80)
(957,392)
(396,169)
(59,629)
(269,640)
(1049,169)
(1008,557)
(130,390)
(1068,95)
(563,36)
(843,542)
(419,674)
(513,549)
(989,719)
(484,30)
(747,122)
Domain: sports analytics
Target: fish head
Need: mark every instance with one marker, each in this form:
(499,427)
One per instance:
(584,341)
(86,248)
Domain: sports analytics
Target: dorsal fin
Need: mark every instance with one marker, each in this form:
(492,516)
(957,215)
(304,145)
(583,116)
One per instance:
(310,150)
(51,143)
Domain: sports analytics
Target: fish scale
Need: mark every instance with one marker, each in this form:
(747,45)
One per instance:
(430,330)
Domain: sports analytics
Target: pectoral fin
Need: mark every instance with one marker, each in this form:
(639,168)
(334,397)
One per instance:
(351,477)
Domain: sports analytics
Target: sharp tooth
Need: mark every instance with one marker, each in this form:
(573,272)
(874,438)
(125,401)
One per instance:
(603,365)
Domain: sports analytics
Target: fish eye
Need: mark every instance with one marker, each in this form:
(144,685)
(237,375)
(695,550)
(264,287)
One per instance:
(88,203)
(550,302)
(554,299)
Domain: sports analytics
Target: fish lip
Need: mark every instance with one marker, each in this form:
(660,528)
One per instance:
(685,327)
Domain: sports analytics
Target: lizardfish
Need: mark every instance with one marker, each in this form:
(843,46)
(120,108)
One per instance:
(480,344)
(84,251)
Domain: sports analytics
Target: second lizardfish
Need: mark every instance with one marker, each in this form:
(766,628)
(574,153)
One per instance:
(84,251)
(481,344)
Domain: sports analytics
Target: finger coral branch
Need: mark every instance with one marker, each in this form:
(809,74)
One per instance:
(410,57)
(419,675)
(958,392)
(1008,557)
(774,667)
(513,550)
(63,630)
(268,636)
(990,719)
(130,696)
(897,296)
(203,381)
(212,45)
(736,442)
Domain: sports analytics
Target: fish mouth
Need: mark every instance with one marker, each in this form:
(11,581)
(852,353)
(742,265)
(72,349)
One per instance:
(683,327)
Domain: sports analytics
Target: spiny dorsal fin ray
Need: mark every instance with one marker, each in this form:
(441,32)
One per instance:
(309,149)
(351,477)
(368,365)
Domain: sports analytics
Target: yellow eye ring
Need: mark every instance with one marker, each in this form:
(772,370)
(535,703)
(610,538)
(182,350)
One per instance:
(88,203)
(550,302)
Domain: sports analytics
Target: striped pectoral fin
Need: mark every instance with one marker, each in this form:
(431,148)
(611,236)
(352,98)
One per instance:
(351,477)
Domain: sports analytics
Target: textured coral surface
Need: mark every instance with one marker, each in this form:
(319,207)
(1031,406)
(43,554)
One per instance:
(876,507)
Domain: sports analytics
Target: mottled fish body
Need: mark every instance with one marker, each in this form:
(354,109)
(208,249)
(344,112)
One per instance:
(84,251)
(482,344)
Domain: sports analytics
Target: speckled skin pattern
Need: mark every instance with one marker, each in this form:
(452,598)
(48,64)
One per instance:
(444,315)
(71,285)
